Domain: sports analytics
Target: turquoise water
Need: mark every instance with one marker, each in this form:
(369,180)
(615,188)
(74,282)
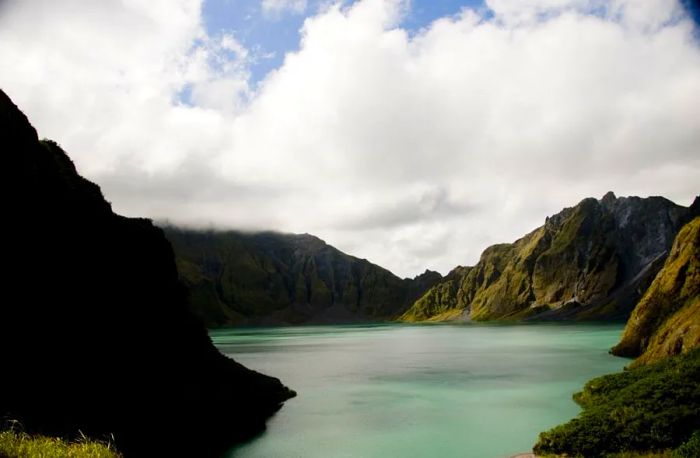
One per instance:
(481,391)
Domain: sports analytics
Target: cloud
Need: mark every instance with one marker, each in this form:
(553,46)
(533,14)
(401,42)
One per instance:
(408,206)
(646,15)
(412,149)
(272,8)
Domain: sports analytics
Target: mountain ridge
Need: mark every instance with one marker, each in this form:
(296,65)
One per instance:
(591,261)
(270,278)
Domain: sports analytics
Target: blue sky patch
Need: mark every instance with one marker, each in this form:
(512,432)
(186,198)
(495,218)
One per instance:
(270,37)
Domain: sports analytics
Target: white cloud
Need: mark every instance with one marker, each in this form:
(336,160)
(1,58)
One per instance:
(413,151)
(646,15)
(275,7)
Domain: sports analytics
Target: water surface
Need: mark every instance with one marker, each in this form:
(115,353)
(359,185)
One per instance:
(481,391)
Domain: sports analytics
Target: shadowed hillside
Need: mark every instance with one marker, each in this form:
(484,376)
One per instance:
(667,319)
(272,278)
(95,332)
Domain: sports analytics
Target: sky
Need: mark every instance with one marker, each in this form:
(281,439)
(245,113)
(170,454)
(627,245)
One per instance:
(410,133)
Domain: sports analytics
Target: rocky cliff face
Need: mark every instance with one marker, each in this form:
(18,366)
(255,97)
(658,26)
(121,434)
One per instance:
(591,261)
(666,321)
(273,278)
(95,329)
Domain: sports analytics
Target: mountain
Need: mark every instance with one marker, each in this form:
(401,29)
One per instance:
(591,261)
(272,278)
(667,319)
(96,335)
(654,404)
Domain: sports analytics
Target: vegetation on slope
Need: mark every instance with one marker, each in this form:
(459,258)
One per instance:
(667,319)
(652,407)
(16,444)
(499,285)
(592,261)
(436,304)
(271,278)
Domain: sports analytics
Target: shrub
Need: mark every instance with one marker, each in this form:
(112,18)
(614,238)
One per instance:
(691,449)
(654,407)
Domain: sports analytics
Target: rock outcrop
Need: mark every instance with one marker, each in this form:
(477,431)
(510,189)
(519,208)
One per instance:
(591,261)
(666,321)
(96,334)
(655,403)
(272,278)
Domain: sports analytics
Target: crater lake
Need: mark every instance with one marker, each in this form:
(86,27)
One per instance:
(443,390)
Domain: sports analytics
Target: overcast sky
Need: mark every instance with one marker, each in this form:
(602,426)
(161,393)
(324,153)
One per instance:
(413,134)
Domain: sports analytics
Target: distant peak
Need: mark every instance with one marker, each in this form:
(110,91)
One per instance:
(428,273)
(609,197)
(695,206)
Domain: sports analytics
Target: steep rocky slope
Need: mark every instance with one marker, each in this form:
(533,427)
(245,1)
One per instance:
(591,261)
(654,405)
(95,330)
(274,278)
(667,319)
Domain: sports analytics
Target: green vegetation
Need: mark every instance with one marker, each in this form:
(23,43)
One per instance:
(652,409)
(690,449)
(662,454)
(648,408)
(592,261)
(589,262)
(667,319)
(439,301)
(498,286)
(272,278)
(15,444)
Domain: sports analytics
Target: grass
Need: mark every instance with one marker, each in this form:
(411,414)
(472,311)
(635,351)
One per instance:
(17,444)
